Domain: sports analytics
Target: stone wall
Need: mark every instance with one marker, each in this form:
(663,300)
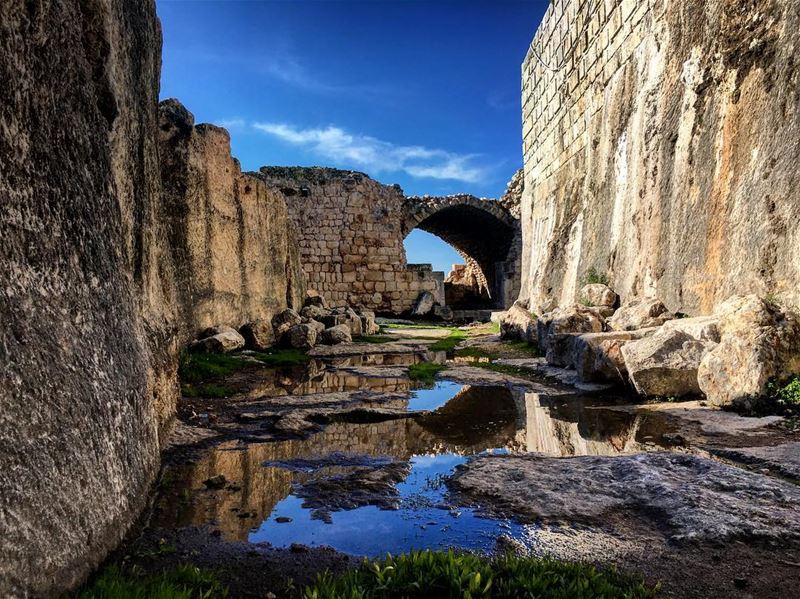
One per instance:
(662,150)
(350,237)
(87,355)
(231,239)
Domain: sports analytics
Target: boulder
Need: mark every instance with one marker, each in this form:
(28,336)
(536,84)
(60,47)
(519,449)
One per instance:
(302,336)
(703,328)
(424,304)
(640,313)
(220,343)
(258,335)
(332,320)
(313,311)
(558,327)
(759,341)
(353,321)
(336,335)
(598,356)
(368,324)
(313,298)
(599,295)
(517,323)
(443,312)
(283,321)
(665,363)
(216,330)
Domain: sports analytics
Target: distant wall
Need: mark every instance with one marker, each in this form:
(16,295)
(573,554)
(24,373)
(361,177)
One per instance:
(663,150)
(231,238)
(350,235)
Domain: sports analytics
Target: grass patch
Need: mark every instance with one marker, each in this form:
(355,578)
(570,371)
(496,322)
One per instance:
(425,372)
(452,575)
(523,347)
(182,582)
(194,368)
(449,343)
(592,276)
(281,357)
(208,390)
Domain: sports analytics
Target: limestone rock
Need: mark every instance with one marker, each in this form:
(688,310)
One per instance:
(336,335)
(215,330)
(313,298)
(354,322)
(443,312)
(555,332)
(517,323)
(703,328)
(283,321)
(547,305)
(302,336)
(258,335)
(221,343)
(424,304)
(665,363)
(599,295)
(759,342)
(332,320)
(598,356)
(639,313)
(313,311)
(368,324)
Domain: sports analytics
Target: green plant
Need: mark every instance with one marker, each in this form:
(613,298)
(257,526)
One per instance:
(782,398)
(281,357)
(374,339)
(463,575)
(208,390)
(425,372)
(194,368)
(182,582)
(592,276)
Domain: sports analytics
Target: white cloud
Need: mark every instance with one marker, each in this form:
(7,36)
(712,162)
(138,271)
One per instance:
(375,155)
(231,124)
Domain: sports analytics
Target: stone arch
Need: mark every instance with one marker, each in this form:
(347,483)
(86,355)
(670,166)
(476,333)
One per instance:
(482,231)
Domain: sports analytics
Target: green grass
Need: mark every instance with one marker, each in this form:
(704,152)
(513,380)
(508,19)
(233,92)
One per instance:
(425,372)
(449,343)
(451,575)
(208,390)
(182,582)
(281,357)
(592,276)
(194,368)
(523,347)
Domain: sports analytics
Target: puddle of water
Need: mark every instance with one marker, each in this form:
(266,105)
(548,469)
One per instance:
(376,487)
(434,397)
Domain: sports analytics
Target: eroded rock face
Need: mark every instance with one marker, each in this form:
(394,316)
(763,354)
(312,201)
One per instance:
(598,356)
(86,353)
(599,295)
(518,323)
(665,363)
(640,313)
(556,332)
(759,341)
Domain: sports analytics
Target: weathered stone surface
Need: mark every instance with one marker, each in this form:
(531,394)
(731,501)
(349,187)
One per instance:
(665,363)
(215,330)
(336,335)
(703,328)
(230,235)
(283,321)
(313,311)
(354,322)
(672,167)
(221,343)
(424,304)
(87,363)
(258,335)
(368,324)
(554,331)
(302,336)
(683,496)
(313,298)
(639,313)
(759,342)
(518,323)
(598,356)
(598,295)
(443,312)
(332,320)
(783,459)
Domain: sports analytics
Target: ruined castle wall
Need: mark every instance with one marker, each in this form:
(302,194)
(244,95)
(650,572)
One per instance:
(350,236)
(87,358)
(663,150)
(231,238)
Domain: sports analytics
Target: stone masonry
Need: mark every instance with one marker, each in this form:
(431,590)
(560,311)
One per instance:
(661,149)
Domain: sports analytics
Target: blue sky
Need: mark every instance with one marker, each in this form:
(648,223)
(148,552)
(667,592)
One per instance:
(420,93)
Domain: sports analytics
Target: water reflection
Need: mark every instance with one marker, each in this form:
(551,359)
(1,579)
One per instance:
(368,488)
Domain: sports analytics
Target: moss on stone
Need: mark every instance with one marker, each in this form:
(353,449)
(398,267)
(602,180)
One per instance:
(425,372)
